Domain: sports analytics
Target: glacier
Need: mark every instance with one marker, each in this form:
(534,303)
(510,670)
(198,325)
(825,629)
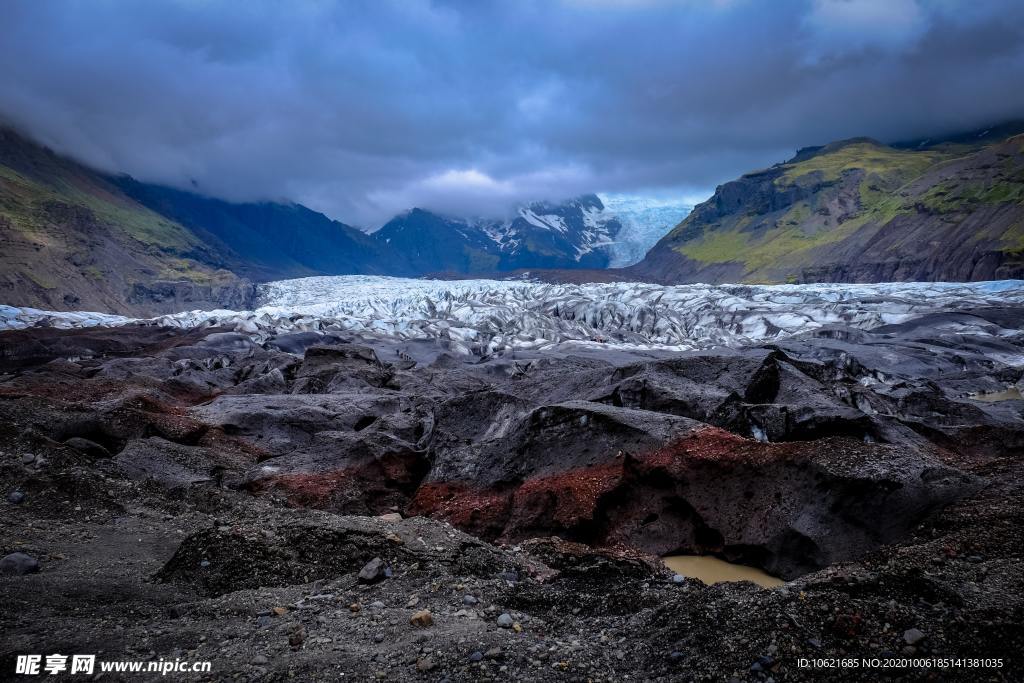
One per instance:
(485,317)
(645,220)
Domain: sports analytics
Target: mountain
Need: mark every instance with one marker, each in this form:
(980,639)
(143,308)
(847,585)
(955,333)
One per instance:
(855,210)
(268,240)
(76,238)
(573,234)
(430,243)
(859,211)
(568,235)
(72,239)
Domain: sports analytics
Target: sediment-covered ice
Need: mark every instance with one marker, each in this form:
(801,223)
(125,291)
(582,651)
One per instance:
(478,317)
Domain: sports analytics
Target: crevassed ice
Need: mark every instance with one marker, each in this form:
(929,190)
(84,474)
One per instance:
(645,220)
(486,316)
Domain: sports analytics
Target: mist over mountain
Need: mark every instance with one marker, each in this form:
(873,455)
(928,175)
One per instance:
(364,110)
(78,238)
(857,210)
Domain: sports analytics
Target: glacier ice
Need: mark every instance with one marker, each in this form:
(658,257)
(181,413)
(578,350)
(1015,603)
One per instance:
(481,317)
(645,220)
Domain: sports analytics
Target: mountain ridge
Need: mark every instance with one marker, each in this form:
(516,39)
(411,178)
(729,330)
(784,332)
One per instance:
(72,240)
(857,210)
(573,234)
(77,238)
(854,210)
(269,240)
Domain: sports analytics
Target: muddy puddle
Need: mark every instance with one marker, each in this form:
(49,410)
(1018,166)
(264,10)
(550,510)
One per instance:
(713,570)
(1011,394)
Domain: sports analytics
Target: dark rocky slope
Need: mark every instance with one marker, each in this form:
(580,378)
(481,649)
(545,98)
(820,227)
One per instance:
(858,211)
(166,479)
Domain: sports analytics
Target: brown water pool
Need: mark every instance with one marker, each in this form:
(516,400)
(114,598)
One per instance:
(1011,394)
(713,570)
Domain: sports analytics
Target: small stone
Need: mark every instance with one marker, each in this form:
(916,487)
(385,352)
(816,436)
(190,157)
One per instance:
(469,600)
(279,611)
(413,601)
(18,564)
(425,664)
(505,620)
(377,604)
(260,660)
(678,578)
(975,559)
(354,607)
(297,636)
(493,653)
(913,636)
(372,572)
(15,497)
(517,627)
(378,637)
(28,459)
(476,656)
(423,618)
(510,576)
(390,517)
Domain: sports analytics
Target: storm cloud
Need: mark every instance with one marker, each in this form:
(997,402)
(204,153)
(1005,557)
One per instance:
(362,109)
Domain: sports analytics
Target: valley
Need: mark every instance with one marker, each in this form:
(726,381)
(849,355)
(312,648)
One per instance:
(581,341)
(267,462)
(471,449)
(853,211)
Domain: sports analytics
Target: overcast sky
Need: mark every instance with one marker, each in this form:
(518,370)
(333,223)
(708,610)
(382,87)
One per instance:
(362,109)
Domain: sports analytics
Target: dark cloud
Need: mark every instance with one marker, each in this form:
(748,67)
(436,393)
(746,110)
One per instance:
(361,109)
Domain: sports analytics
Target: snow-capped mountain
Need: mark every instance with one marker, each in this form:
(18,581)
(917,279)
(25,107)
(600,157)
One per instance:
(578,233)
(645,220)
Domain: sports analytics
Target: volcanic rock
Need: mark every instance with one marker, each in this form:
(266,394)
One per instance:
(18,564)
(373,571)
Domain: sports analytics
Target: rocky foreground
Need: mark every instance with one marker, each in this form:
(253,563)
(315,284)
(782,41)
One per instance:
(312,506)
